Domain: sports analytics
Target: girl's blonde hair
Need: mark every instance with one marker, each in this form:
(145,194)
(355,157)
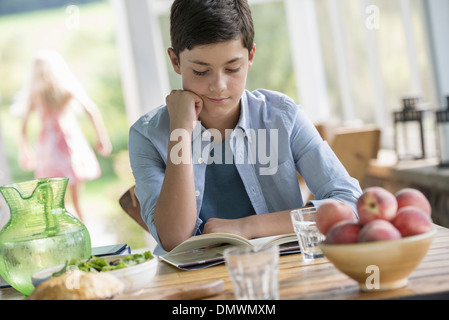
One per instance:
(52,81)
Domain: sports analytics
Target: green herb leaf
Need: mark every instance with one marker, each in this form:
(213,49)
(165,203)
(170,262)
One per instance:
(99,264)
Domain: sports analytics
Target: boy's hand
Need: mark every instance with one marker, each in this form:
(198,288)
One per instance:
(184,108)
(235,226)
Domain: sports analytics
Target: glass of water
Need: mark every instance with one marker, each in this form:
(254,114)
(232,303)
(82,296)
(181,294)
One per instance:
(254,272)
(309,237)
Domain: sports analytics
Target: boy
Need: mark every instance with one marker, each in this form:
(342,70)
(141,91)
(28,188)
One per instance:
(200,161)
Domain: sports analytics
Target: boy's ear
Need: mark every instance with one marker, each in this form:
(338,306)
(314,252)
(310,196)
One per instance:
(174,60)
(251,56)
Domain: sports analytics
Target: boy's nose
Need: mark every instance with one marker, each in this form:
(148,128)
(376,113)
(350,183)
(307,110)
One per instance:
(218,83)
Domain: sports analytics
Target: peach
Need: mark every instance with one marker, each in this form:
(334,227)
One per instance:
(378,230)
(330,212)
(342,232)
(413,197)
(376,203)
(411,221)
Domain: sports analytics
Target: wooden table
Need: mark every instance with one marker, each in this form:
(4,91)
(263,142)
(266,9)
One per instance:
(304,280)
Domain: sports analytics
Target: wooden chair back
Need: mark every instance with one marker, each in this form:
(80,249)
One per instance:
(355,148)
(129,203)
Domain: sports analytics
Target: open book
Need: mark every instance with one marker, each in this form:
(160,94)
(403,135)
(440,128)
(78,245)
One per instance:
(206,250)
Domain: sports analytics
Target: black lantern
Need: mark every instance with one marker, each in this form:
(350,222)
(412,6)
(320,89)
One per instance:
(414,130)
(442,121)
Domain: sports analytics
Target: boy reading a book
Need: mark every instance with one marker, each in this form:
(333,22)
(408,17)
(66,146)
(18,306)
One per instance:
(216,157)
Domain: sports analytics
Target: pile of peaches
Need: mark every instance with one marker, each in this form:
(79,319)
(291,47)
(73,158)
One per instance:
(381,216)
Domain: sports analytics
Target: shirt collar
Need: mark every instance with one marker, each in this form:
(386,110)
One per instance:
(245,119)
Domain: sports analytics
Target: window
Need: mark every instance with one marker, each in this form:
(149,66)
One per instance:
(345,60)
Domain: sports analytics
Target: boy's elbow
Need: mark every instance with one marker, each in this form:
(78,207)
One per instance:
(170,236)
(171,242)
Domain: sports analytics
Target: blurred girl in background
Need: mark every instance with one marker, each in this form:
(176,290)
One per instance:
(61,148)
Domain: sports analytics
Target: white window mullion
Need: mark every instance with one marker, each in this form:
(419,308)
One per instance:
(411,47)
(437,20)
(307,58)
(381,117)
(342,61)
(143,69)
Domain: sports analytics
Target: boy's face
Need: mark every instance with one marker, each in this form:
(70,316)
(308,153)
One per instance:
(217,73)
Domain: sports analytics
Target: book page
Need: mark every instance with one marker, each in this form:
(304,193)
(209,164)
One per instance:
(207,249)
(273,240)
(210,239)
(196,257)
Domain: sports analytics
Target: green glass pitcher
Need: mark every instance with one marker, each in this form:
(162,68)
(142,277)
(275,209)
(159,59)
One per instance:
(40,232)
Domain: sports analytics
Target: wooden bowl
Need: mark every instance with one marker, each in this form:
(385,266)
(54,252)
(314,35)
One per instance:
(381,265)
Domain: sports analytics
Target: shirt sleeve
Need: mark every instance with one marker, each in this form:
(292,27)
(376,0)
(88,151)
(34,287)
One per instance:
(320,168)
(148,169)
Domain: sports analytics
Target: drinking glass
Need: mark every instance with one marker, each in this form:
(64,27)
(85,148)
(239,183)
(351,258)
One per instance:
(309,237)
(254,272)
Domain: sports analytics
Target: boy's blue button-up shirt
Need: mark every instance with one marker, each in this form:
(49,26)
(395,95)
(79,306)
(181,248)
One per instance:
(273,140)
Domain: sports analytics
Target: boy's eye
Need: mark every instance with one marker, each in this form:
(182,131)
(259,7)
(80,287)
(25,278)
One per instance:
(233,70)
(199,73)
(202,73)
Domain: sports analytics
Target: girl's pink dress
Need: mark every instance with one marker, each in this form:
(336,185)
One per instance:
(63,151)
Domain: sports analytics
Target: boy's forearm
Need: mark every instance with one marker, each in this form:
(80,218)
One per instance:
(175,211)
(269,224)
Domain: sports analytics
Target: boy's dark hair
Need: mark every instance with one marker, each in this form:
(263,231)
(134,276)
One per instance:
(201,22)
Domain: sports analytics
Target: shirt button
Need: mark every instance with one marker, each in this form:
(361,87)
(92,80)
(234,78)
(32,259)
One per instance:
(197,193)
(200,160)
(205,134)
